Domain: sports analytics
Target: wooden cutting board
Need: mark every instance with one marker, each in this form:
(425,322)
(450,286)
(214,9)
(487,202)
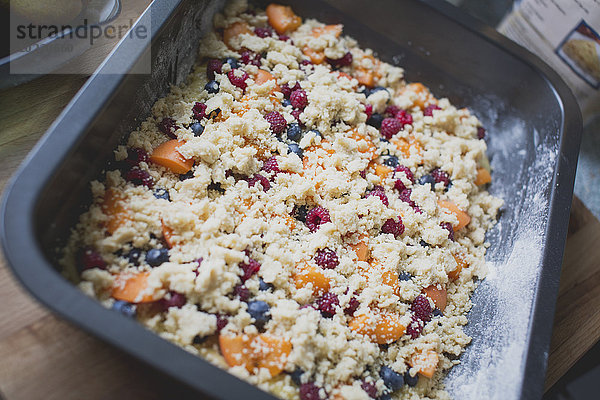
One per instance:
(44,357)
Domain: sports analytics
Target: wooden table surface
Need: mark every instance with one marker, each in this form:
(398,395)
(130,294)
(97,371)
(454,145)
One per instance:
(44,357)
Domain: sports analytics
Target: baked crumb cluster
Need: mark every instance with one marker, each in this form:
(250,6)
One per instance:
(297,214)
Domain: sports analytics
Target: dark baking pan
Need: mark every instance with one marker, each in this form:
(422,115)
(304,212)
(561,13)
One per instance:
(534,129)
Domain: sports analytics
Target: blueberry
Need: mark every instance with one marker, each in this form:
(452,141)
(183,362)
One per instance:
(424,243)
(300,213)
(297,376)
(437,313)
(212,87)
(197,128)
(162,194)
(369,92)
(260,311)
(134,256)
(187,175)
(199,339)
(411,380)
(427,180)
(391,161)
(286,102)
(391,379)
(216,186)
(155,257)
(294,148)
(125,308)
(386,396)
(375,120)
(264,286)
(233,63)
(294,132)
(405,276)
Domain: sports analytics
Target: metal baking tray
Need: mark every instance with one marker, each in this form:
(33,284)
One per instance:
(534,128)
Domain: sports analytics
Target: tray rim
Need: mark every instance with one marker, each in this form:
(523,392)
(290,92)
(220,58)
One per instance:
(22,190)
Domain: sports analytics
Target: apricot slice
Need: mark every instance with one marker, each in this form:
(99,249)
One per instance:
(389,277)
(167,155)
(271,352)
(360,248)
(483,176)
(365,144)
(335,30)
(236,350)
(463,217)
(379,327)
(316,57)
(383,171)
(282,18)
(461,263)
(113,208)
(167,234)
(252,352)
(132,288)
(263,76)
(424,96)
(310,274)
(233,30)
(365,77)
(439,296)
(408,147)
(425,362)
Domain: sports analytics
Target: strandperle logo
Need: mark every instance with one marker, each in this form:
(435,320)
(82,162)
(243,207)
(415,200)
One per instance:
(71,36)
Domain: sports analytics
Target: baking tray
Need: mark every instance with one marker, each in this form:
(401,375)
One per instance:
(534,129)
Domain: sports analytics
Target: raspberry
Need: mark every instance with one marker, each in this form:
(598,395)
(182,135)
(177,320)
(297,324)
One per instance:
(389,127)
(415,328)
(379,192)
(213,66)
(278,123)
(480,133)
(396,228)
(369,388)
(139,177)
(407,172)
(305,62)
(92,259)
(405,197)
(238,78)
(441,176)
(271,166)
(242,292)
(399,185)
(168,127)
(317,217)
(173,299)
(263,32)
(428,111)
(421,308)
(258,178)
(287,90)
(448,227)
(327,304)
(392,111)
(326,258)
(222,322)
(285,38)
(249,57)
(369,110)
(299,99)
(296,114)
(136,155)
(309,391)
(249,268)
(199,110)
(341,62)
(352,306)
(404,118)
